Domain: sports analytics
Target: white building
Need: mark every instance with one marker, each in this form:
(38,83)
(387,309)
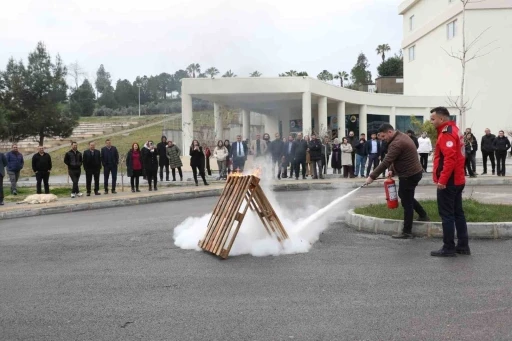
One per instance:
(431,78)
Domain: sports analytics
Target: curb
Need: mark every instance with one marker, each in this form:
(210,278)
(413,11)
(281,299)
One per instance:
(501,230)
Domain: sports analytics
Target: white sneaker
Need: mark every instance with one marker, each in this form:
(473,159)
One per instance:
(72,195)
(79,194)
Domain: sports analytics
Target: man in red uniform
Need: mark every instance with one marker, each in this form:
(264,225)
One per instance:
(449,177)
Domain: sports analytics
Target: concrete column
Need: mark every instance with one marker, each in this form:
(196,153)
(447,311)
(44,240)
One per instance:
(246,124)
(271,123)
(362,120)
(392,117)
(217,119)
(187,123)
(341,119)
(322,117)
(306,113)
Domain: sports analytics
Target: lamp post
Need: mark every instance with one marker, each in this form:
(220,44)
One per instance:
(139,85)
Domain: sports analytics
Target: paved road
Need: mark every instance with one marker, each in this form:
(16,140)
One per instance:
(116,275)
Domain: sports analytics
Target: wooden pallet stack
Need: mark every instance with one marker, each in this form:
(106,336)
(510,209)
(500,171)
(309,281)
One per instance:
(240,193)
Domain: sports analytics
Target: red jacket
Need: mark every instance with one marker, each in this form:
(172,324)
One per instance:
(449,157)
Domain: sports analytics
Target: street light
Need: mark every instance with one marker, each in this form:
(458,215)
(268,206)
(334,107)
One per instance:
(139,85)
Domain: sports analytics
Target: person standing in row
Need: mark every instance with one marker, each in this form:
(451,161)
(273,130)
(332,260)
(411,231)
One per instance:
(276,151)
(315,154)
(15,164)
(448,175)
(326,154)
(3,163)
(73,159)
(501,144)
(308,157)
(299,152)
(110,160)
(92,167)
(361,156)
(221,153)
(336,157)
(413,137)
(229,159)
(288,158)
(346,158)
(207,154)
(424,150)
(351,138)
(42,166)
(471,146)
(258,147)
(488,150)
(473,155)
(173,154)
(163,161)
(150,161)
(239,154)
(134,165)
(197,161)
(373,152)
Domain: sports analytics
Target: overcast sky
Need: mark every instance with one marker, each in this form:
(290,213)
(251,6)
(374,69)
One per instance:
(147,37)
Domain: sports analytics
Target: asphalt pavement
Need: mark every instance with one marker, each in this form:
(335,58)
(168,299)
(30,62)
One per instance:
(115,274)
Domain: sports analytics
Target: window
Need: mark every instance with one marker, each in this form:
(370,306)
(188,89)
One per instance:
(411,23)
(451,29)
(411,53)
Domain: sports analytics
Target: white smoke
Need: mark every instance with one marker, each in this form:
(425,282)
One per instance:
(304,225)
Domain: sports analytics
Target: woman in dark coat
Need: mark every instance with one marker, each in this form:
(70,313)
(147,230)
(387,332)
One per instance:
(134,166)
(197,161)
(229,162)
(150,158)
(336,157)
(471,147)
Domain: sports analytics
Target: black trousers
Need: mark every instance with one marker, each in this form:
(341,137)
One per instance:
(2,187)
(469,168)
(298,164)
(152,177)
(373,159)
(134,182)
(424,161)
(406,189)
(88,180)
(449,205)
(106,174)
(238,163)
(74,174)
(199,170)
(501,156)
(40,177)
(166,166)
(353,157)
(174,174)
(491,157)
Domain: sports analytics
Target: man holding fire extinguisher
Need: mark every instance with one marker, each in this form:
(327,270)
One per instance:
(402,159)
(448,175)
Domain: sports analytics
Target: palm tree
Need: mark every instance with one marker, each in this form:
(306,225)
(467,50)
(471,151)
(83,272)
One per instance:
(229,73)
(342,76)
(382,49)
(193,68)
(212,72)
(255,74)
(325,76)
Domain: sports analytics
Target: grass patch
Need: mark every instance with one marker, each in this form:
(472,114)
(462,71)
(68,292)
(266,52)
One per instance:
(23,192)
(475,211)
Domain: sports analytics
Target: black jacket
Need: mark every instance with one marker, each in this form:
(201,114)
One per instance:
(369,147)
(92,161)
(150,160)
(234,150)
(287,152)
(162,153)
(471,147)
(501,144)
(299,150)
(315,150)
(415,140)
(486,143)
(384,148)
(197,158)
(109,159)
(276,149)
(41,163)
(73,159)
(360,148)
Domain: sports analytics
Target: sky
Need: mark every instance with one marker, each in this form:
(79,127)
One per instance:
(148,37)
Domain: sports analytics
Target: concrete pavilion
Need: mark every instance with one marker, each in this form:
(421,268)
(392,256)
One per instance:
(302,104)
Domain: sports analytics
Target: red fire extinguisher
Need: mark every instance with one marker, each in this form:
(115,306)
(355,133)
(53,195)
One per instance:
(391,193)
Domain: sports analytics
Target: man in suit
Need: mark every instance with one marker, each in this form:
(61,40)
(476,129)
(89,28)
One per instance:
(92,167)
(3,163)
(239,154)
(258,147)
(109,160)
(373,152)
(300,147)
(276,151)
(288,157)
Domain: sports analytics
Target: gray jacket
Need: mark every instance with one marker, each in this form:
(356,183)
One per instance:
(3,164)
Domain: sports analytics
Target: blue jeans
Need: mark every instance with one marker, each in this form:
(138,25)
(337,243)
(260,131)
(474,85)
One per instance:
(360,163)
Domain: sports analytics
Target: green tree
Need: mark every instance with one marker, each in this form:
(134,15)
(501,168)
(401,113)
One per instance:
(178,76)
(194,68)
(427,127)
(108,98)
(393,66)
(103,80)
(302,74)
(82,99)
(360,73)
(229,73)
(382,49)
(212,72)
(342,76)
(255,74)
(125,94)
(325,76)
(165,84)
(291,73)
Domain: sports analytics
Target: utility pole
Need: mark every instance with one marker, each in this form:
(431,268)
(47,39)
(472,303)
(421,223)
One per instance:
(139,85)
